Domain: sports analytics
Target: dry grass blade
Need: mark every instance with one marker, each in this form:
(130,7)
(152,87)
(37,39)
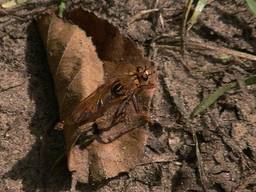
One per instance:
(219,92)
(202,174)
(11,87)
(222,50)
(195,44)
(140,14)
(12,3)
(198,10)
(252,5)
(184,26)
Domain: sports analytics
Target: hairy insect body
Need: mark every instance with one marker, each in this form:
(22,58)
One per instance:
(97,103)
(118,92)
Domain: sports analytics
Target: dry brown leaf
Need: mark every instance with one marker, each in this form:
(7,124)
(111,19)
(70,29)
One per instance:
(77,72)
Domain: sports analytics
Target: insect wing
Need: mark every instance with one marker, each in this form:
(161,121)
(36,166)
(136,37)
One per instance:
(92,106)
(96,104)
(107,95)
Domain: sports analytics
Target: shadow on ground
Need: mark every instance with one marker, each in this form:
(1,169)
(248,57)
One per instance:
(35,169)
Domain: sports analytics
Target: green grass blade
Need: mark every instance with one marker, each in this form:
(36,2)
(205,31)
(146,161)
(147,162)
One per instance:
(62,7)
(250,80)
(198,10)
(252,5)
(217,93)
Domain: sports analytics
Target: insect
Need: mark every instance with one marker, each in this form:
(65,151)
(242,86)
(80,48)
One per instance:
(120,91)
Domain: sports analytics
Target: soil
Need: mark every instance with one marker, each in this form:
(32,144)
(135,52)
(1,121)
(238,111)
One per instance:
(226,132)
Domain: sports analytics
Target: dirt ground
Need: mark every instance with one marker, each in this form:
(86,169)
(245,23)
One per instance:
(226,133)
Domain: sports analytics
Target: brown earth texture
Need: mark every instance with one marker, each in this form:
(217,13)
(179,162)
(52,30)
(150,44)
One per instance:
(215,151)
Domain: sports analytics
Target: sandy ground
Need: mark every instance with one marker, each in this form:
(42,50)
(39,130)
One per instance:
(226,132)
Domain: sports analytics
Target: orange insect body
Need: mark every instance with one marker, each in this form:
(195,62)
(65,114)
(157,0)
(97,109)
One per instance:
(119,91)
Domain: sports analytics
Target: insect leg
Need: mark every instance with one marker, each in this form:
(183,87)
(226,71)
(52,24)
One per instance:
(120,111)
(118,115)
(143,119)
(135,103)
(114,136)
(79,132)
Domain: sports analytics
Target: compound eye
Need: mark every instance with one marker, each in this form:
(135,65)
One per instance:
(145,77)
(117,89)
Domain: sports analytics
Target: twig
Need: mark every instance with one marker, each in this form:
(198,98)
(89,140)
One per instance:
(192,43)
(160,161)
(158,16)
(140,14)
(222,50)
(25,12)
(11,87)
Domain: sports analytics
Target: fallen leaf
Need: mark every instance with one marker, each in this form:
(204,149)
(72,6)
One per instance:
(77,71)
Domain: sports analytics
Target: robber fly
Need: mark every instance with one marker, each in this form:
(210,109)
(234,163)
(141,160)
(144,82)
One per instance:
(116,92)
